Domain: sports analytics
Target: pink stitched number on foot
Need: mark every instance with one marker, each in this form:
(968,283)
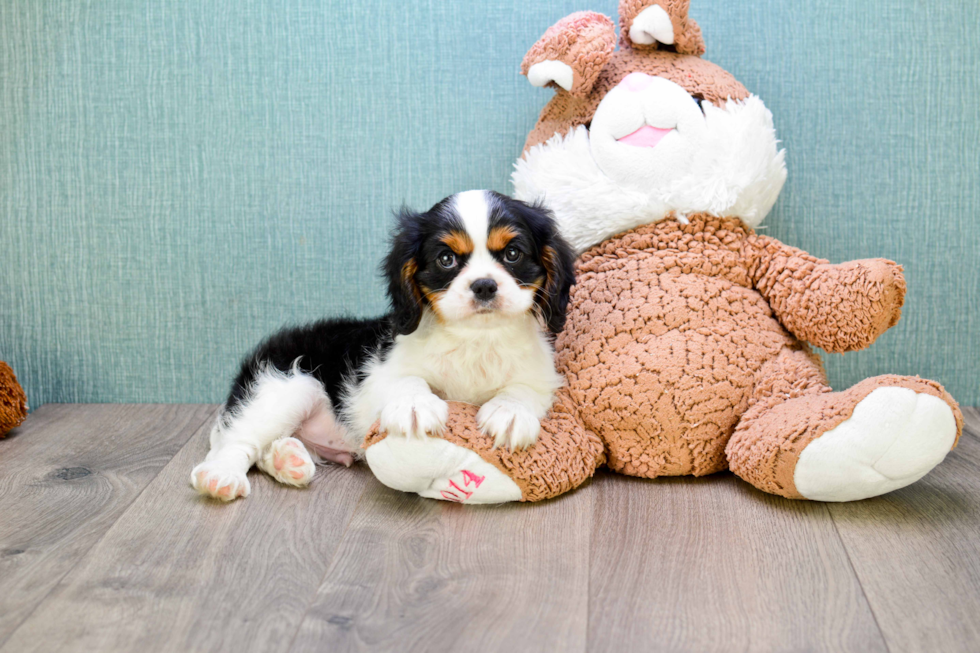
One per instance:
(458,494)
(459,489)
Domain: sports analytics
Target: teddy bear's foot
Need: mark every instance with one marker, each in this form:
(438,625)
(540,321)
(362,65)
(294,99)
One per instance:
(894,437)
(464,466)
(437,469)
(288,461)
(880,435)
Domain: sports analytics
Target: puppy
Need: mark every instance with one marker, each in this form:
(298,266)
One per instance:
(478,285)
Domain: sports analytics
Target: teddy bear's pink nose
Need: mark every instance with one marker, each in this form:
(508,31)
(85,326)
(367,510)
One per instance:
(636,82)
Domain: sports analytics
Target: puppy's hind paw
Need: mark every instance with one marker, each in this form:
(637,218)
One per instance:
(509,422)
(288,461)
(219,482)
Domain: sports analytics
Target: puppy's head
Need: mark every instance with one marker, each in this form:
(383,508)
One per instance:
(476,258)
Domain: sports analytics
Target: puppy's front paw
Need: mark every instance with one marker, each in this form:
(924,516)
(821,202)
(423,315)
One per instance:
(415,416)
(508,422)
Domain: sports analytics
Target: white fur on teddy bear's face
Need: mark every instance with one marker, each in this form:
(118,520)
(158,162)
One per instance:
(726,163)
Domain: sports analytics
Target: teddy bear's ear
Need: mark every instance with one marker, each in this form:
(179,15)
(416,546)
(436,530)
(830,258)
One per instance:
(572,53)
(659,24)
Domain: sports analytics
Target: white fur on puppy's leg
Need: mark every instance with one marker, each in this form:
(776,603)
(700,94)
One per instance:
(893,438)
(287,461)
(277,404)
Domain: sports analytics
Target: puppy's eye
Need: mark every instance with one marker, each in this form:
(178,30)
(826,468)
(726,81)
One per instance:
(512,255)
(447,260)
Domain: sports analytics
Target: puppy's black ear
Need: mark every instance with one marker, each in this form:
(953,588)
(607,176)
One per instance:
(559,264)
(558,259)
(399,268)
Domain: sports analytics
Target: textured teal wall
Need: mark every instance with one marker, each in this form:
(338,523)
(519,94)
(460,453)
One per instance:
(178,178)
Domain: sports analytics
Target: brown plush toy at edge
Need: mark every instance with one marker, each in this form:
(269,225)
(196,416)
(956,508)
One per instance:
(13,401)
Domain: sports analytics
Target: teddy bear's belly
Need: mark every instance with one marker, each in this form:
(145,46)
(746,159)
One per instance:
(664,367)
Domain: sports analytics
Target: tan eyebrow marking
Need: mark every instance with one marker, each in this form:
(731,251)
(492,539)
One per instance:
(499,237)
(459,242)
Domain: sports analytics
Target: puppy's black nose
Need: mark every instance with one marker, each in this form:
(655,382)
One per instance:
(484,289)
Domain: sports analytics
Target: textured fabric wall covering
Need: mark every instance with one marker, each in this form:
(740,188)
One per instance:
(177,178)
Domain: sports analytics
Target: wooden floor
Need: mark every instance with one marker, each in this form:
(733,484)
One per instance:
(105,547)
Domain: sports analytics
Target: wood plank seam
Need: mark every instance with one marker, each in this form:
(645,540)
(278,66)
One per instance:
(113,593)
(864,593)
(971,414)
(206,423)
(333,563)
(590,486)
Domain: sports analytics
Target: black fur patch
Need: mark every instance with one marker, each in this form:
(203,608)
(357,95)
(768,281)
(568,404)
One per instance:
(329,350)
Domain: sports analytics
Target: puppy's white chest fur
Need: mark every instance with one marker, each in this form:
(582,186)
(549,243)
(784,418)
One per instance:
(472,364)
(506,366)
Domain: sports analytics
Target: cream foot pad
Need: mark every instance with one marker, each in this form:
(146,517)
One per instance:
(436,469)
(893,438)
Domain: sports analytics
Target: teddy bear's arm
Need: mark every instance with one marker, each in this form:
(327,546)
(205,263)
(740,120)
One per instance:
(837,307)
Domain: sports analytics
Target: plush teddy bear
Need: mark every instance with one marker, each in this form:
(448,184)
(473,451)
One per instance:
(13,401)
(685,350)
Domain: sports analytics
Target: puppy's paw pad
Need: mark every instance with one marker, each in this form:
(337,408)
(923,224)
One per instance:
(415,416)
(219,482)
(288,461)
(508,422)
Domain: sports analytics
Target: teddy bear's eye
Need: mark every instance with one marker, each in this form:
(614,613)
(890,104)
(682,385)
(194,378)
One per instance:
(697,97)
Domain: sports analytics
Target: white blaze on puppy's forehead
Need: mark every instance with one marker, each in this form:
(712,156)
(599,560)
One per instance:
(474,210)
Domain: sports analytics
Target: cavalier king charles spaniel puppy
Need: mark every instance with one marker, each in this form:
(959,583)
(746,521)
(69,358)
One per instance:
(478,286)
